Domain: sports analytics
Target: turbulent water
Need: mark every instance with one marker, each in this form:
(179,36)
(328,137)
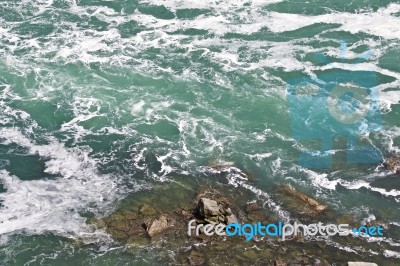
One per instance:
(101,99)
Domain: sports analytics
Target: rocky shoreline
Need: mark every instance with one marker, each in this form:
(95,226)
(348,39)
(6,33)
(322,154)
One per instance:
(162,219)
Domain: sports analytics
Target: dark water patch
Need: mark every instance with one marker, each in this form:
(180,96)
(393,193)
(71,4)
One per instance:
(152,162)
(267,35)
(129,29)
(348,37)
(61,18)
(49,249)
(62,4)
(361,49)
(319,59)
(159,11)
(287,76)
(28,167)
(93,23)
(21,164)
(336,75)
(162,128)
(10,14)
(129,6)
(45,113)
(191,13)
(318,43)
(389,60)
(309,31)
(102,143)
(388,183)
(34,30)
(191,32)
(392,118)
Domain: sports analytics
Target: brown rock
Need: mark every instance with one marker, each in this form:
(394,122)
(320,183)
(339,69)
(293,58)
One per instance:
(158,225)
(393,164)
(195,258)
(312,203)
(279,262)
(231,219)
(208,207)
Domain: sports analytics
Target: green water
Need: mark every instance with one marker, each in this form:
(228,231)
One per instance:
(102,99)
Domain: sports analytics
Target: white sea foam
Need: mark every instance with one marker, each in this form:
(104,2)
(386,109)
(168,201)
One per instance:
(54,204)
(88,45)
(321,180)
(219,5)
(78,183)
(371,22)
(391,254)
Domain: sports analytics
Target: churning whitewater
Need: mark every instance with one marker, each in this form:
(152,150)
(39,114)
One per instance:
(101,100)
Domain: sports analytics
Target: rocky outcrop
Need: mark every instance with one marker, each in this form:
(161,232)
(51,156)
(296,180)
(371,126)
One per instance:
(208,208)
(213,212)
(145,222)
(393,164)
(133,228)
(158,225)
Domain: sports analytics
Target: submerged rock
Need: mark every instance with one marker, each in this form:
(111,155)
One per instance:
(230,167)
(377,223)
(147,210)
(138,239)
(252,207)
(99,223)
(121,225)
(312,204)
(221,165)
(393,164)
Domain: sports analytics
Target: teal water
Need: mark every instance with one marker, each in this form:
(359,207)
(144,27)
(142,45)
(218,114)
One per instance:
(101,99)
